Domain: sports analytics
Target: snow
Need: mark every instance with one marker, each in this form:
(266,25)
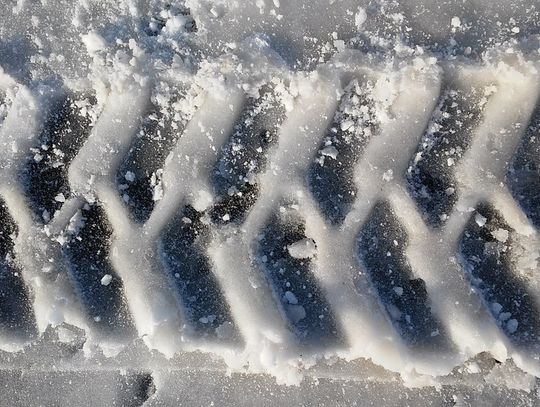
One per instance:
(93,42)
(360,17)
(480,220)
(106,279)
(290,298)
(240,46)
(330,151)
(303,249)
(501,235)
(456,22)
(512,325)
(129,176)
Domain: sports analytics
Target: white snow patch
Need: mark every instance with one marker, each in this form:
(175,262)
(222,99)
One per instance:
(93,42)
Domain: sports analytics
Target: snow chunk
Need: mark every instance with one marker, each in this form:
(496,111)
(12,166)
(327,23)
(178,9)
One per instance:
(303,249)
(456,22)
(93,42)
(512,325)
(290,298)
(473,367)
(60,198)
(129,176)
(296,313)
(500,234)
(496,308)
(480,220)
(346,125)
(176,24)
(330,151)
(106,279)
(207,319)
(360,17)
(503,316)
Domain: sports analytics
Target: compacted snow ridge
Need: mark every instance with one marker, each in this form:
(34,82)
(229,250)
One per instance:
(277,187)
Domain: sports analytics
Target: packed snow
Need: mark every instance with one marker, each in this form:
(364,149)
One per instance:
(341,73)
